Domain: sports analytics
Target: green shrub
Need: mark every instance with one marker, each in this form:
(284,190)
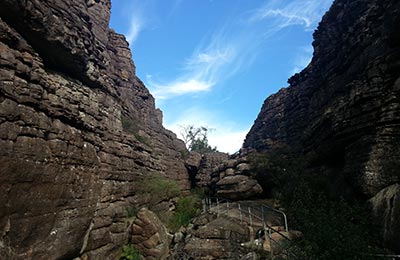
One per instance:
(129,125)
(187,208)
(277,170)
(158,188)
(184,154)
(143,139)
(131,212)
(334,228)
(129,252)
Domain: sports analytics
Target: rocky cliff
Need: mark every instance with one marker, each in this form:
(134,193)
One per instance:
(78,129)
(344,108)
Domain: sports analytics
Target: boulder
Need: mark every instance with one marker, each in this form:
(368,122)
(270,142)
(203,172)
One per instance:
(238,187)
(150,236)
(386,208)
(218,239)
(193,161)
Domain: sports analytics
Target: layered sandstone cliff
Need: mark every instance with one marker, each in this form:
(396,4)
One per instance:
(77,130)
(344,108)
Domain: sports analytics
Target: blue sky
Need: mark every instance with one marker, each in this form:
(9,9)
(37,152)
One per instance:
(213,62)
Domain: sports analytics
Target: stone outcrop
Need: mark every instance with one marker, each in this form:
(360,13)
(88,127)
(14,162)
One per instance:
(77,130)
(344,108)
(208,162)
(150,236)
(215,238)
(238,187)
(223,176)
(233,180)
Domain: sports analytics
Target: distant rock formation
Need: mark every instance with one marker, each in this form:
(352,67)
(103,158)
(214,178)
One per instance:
(345,106)
(233,180)
(223,176)
(202,166)
(77,129)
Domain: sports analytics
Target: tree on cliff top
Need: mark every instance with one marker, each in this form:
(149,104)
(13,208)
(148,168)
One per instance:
(196,139)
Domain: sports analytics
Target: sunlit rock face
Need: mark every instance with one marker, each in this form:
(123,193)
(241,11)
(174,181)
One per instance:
(344,108)
(77,129)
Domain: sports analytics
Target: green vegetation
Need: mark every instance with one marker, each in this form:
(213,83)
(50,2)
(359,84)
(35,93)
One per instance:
(184,154)
(187,208)
(335,226)
(131,125)
(196,139)
(275,171)
(131,212)
(158,188)
(143,139)
(129,252)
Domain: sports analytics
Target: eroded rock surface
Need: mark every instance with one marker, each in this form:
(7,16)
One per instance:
(208,163)
(223,176)
(238,187)
(386,208)
(344,108)
(77,130)
(233,179)
(150,236)
(216,238)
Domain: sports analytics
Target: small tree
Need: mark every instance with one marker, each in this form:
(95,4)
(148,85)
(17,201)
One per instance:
(196,139)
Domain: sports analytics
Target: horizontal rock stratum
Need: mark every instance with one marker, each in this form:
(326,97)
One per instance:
(77,130)
(344,108)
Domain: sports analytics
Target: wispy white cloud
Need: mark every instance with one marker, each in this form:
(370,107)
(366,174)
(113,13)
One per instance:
(230,50)
(234,46)
(302,59)
(179,87)
(175,6)
(136,25)
(224,134)
(139,17)
(281,14)
(203,70)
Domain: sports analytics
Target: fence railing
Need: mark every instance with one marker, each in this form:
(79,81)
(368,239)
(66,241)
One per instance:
(261,212)
(382,256)
(253,216)
(222,206)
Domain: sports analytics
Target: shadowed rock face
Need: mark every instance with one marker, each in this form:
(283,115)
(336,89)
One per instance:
(345,106)
(77,129)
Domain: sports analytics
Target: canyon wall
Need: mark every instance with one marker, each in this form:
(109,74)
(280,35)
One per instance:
(78,131)
(344,108)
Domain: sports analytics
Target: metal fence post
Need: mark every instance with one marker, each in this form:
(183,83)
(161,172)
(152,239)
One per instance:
(270,244)
(217,207)
(250,217)
(262,212)
(240,213)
